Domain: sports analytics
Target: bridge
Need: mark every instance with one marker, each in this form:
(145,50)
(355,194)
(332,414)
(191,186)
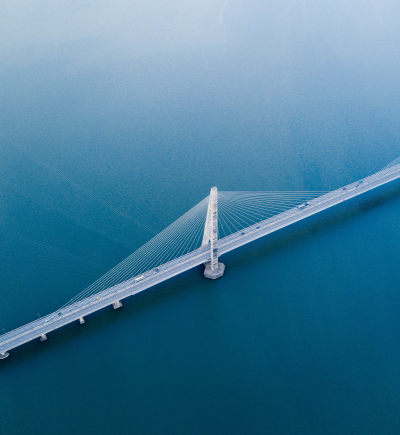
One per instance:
(244,217)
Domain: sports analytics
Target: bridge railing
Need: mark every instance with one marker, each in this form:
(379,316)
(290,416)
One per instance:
(316,201)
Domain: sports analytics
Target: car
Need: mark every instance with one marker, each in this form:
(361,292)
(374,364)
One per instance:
(344,188)
(243,234)
(59,313)
(157,270)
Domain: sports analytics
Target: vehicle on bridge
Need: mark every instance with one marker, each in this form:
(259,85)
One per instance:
(191,256)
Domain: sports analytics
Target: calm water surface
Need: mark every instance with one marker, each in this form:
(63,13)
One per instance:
(301,335)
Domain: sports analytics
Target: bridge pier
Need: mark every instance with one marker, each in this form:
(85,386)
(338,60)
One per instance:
(81,320)
(213,269)
(117,304)
(43,337)
(214,273)
(4,355)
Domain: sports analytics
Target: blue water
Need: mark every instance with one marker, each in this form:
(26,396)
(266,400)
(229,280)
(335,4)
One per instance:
(300,336)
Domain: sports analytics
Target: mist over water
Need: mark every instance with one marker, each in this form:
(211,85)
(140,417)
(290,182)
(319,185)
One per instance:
(118,118)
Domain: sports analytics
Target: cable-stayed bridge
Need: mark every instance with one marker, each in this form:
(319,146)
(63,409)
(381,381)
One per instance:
(192,240)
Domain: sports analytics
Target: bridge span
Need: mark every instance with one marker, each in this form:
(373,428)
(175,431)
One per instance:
(212,248)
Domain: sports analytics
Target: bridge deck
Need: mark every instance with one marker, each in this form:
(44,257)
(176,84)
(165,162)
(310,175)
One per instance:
(151,278)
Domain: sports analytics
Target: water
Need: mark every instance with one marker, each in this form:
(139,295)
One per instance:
(300,336)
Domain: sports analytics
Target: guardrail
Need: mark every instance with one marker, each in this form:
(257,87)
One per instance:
(166,271)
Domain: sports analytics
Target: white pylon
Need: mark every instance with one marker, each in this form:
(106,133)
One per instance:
(211,227)
(214,269)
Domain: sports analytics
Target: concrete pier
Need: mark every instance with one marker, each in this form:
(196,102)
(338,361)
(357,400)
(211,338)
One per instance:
(216,273)
(117,304)
(43,337)
(81,320)
(4,355)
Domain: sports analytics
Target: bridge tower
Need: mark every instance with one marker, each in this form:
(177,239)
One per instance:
(213,269)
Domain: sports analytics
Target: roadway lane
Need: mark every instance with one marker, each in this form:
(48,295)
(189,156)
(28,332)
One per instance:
(316,205)
(82,308)
(151,278)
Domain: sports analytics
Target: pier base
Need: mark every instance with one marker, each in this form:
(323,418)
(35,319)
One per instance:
(43,337)
(4,355)
(81,320)
(117,304)
(216,273)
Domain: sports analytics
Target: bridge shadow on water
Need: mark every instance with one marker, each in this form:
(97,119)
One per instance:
(193,280)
